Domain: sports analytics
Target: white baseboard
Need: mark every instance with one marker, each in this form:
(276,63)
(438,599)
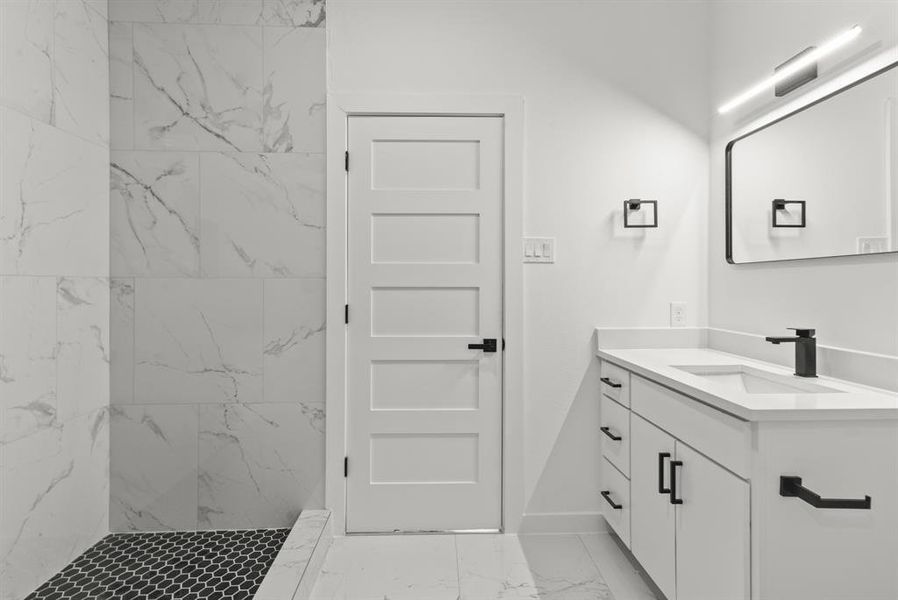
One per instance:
(565,522)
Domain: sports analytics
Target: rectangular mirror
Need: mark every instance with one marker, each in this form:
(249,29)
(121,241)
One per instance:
(819,182)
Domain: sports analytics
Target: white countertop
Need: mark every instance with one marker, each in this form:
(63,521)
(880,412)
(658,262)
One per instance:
(850,402)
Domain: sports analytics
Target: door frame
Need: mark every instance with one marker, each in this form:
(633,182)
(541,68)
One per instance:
(511,109)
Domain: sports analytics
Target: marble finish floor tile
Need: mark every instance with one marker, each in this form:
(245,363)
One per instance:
(493,567)
(475,567)
(620,570)
(562,568)
(414,567)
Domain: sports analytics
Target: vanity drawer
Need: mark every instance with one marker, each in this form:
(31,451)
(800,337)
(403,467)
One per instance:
(616,424)
(616,489)
(723,438)
(615,383)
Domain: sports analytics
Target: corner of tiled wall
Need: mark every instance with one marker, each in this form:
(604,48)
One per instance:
(54,286)
(217,258)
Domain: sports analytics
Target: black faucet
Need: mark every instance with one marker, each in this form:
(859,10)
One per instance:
(805,350)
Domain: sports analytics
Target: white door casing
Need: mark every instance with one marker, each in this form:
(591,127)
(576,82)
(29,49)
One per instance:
(425,256)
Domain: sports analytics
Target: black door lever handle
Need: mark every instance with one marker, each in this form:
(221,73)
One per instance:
(488,345)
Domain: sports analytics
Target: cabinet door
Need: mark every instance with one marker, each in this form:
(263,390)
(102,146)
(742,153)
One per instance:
(712,530)
(652,516)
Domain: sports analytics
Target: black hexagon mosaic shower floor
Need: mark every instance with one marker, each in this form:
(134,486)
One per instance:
(177,565)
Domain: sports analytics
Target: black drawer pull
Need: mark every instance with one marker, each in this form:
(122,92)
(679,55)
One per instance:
(607,496)
(673,481)
(610,382)
(607,431)
(661,457)
(791,487)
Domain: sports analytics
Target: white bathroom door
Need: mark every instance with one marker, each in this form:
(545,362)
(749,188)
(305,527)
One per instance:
(424,422)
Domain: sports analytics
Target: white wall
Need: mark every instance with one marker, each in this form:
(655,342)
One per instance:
(853,302)
(616,107)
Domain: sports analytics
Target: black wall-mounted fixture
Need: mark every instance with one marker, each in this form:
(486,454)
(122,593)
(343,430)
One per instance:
(790,487)
(635,204)
(799,78)
(781,205)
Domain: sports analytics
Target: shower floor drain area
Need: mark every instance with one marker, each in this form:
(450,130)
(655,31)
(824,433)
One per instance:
(186,565)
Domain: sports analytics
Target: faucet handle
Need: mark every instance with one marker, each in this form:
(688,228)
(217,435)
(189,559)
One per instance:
(803,332)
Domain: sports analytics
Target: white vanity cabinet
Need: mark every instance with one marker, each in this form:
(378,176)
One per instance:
(696,495)
(689,518)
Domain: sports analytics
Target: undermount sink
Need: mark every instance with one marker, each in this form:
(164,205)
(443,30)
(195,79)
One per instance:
(749,380)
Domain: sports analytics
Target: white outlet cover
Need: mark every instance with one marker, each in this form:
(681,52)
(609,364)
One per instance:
(678,314)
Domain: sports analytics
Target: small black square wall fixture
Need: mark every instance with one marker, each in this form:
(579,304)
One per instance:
(780,205)
(636,204)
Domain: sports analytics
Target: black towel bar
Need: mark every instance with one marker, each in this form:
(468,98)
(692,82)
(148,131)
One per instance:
(790,486)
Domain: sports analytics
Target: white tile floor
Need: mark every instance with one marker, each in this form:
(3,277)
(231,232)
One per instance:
(479,567)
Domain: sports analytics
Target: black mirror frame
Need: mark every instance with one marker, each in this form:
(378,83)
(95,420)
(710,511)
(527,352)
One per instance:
(729,176)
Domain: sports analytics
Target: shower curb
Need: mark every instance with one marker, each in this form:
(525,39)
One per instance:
(295,569)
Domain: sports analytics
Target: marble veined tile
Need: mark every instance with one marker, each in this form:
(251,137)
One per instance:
(263,215)
(295,13)
(121,86)
(197,341)
(153,468)
(493,567)
(154,213)
(82,305)
(223,12)
(295,89)
(294,330)
(26,57)
(81,69)
(55,486)
(253,467)
(54,201)
(562,569)
(309,537)
(414,567)
(197,87)
(121,341)
(617,568)
(27,355)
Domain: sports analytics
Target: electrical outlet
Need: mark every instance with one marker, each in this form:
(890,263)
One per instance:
(678,314)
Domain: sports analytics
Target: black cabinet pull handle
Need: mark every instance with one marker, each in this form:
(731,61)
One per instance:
(673,481)
(610,382)
(488,345)
(607,431)
(661,457)
(790,487)
(607,496)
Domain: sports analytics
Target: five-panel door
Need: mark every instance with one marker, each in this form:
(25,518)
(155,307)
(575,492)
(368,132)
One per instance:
(424,335)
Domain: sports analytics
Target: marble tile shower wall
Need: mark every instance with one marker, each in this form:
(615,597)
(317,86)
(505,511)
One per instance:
(54,286)
(217,261)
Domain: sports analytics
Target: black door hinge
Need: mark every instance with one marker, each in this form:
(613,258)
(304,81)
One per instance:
(346,314)
(503,344)
(345,466)
(346,161)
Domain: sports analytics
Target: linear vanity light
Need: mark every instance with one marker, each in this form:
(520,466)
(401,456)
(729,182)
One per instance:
(635,204)
(788,70)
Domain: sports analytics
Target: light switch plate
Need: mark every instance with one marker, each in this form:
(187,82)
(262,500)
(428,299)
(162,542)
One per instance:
(539,250)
